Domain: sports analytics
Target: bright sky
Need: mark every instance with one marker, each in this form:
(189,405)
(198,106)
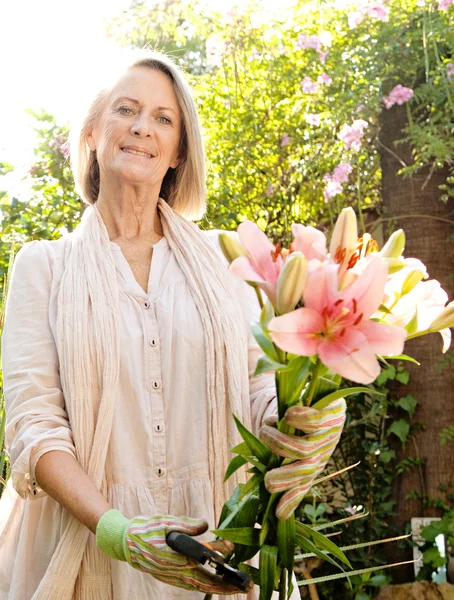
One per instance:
(46,52)
(47,49)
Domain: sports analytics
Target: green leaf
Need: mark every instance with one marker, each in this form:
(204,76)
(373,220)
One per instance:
(264,342)
(235,464)
(286,541)
(400,428)
(298,372)
(323,402)
(362,596)
(266,364)
(403,376)
(253,572)
(386,456)
(266,315)
(248,536)
(268,571)
(256,447)
(242,449)
(310,547)
(404,357)
(321,542)
(408,403)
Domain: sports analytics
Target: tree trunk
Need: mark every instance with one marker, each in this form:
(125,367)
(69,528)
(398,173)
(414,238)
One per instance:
(415,206)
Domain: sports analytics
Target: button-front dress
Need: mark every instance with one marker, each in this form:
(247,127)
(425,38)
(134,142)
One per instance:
(157,461)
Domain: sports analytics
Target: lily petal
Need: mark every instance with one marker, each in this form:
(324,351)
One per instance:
(351,357)
(446,335)
(321,288)
(295,331)
(368,289)
(242,268)
(260,249)
(384,339)
(310,241)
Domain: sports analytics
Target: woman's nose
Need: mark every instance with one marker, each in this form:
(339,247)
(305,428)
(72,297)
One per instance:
(142,127)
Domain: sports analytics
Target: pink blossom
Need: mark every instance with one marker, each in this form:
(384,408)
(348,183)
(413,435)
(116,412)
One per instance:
(309,86)
(398,95)
(360,108)
(285,141)
(445,4)
(323,55)
(309,41)
(263,262)
(450,70)
(324,78)
(352,135)
(333,188)
(269,191)
(336,325)
(375,10)
(341,172)
(355,18)
(313,119)
(378,10)
(310,241)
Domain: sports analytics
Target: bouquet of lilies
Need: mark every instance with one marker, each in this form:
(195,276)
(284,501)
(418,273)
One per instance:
(328,316)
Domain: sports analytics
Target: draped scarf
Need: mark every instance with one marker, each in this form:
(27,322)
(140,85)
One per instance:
(88,349)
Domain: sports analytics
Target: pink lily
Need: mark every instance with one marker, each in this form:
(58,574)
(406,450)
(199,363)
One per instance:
(310,241)
(336,325)
(263,262)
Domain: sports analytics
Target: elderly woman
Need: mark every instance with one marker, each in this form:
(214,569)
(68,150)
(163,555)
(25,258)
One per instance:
(125,353)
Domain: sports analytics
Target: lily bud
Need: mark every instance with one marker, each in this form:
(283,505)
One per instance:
(291,282)
(394,247)
(345,237)
(445,319)
(230,246)
(411,281)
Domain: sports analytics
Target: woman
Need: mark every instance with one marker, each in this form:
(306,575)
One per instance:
(124,356)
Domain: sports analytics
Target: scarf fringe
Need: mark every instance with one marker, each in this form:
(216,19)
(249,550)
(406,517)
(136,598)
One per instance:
(88,349)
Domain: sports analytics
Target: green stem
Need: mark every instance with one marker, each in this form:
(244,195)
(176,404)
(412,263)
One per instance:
(283,585)
(313,383)
(360,210)
(424,42)
(259,295)
(208,597)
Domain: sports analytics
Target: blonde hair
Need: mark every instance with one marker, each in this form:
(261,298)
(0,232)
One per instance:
(183,188)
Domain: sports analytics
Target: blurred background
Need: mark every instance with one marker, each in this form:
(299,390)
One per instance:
(307,107)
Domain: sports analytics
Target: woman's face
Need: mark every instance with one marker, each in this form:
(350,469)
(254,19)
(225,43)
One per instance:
(137,135)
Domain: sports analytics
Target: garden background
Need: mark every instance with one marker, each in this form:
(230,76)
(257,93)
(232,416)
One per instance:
(302,117)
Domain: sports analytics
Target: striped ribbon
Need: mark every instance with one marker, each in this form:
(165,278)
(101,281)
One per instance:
(309,452)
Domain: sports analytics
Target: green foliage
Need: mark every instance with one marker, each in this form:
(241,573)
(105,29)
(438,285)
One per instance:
(52,206)
(432,558)
(446,435)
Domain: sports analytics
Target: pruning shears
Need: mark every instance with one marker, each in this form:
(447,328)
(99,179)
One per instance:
(203,553)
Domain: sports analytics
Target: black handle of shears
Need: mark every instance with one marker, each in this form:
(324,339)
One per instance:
(187,545)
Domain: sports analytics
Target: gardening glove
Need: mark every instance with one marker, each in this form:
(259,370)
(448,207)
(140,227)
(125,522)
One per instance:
(309,453)
(141,542)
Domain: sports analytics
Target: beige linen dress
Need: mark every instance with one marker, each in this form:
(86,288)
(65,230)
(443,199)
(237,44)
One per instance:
(157,460)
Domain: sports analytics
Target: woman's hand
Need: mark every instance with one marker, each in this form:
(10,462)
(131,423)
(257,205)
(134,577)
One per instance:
(141,542)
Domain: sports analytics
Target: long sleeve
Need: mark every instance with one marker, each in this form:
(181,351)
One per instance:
(262,388)
(36,418)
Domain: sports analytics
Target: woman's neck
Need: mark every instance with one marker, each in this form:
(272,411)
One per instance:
(130,217)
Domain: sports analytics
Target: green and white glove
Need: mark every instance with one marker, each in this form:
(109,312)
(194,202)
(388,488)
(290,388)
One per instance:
(308,453)
(141,542)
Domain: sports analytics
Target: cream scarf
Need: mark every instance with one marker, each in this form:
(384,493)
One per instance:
(88,349)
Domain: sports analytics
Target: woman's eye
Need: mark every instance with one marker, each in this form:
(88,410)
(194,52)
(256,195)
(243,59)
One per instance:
(125,110)
(165,120)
